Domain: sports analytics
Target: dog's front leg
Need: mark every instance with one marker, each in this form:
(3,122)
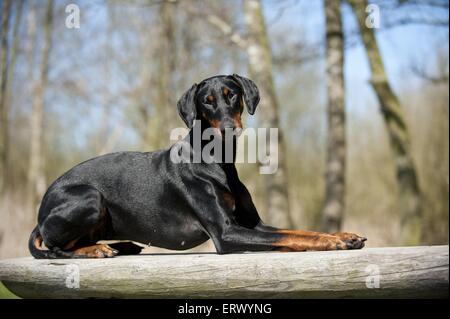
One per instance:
(216,215)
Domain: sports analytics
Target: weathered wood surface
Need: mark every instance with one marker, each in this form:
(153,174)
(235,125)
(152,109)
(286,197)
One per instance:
(409,272)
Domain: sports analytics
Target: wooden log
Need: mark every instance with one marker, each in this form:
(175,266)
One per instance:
(402,272)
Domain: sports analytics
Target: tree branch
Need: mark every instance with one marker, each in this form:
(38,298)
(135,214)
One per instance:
(227,30)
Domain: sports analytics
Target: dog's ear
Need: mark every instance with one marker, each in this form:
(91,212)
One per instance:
(250,91)
(186,106)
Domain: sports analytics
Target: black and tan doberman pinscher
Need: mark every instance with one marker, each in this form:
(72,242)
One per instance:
(147,198)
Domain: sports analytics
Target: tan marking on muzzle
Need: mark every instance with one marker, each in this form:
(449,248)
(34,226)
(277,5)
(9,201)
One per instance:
(237,120)
(214,123)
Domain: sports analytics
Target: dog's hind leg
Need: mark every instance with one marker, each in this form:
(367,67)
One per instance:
(73,220)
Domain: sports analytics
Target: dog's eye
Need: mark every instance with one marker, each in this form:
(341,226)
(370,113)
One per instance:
(209,99)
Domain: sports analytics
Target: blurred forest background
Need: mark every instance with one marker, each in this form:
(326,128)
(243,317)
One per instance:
(363,111)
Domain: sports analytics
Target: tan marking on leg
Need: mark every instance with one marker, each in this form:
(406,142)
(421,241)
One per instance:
(305,242)
(229,200)
(38,243)
(302,232)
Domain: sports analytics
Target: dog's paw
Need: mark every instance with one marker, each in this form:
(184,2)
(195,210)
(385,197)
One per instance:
(95,251)
(333,243)
(352,241)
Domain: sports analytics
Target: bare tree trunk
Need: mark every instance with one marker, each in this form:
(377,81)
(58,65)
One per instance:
(4,64)
(15,46)
(8,104)
(31,43)
(260,63)
(105,140)
(409,190)
(36,178)
(334,207)
(166,69)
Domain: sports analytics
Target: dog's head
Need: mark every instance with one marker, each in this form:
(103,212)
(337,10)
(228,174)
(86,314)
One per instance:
(219,101)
